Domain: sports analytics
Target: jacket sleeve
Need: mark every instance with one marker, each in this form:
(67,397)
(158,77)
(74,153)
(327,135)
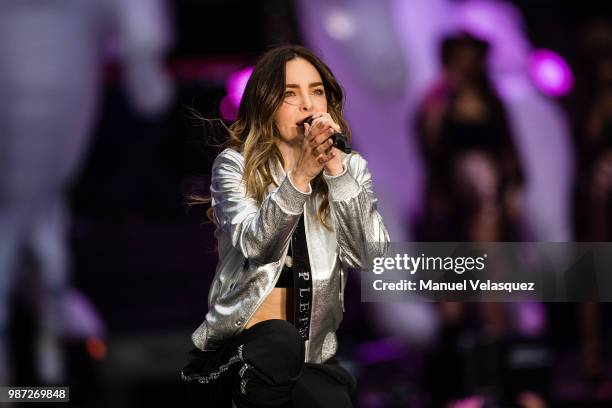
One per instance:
(360,229)
(259,232)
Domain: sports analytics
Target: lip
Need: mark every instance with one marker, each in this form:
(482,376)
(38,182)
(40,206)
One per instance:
(307,119)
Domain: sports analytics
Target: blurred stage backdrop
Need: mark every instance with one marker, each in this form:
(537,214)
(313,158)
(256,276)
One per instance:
(495,113)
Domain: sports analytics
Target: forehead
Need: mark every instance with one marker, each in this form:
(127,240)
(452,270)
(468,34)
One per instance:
(300,71)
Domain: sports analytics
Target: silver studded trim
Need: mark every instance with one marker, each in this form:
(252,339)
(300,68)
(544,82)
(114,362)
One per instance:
(243,370)
(244,381)
(216,374)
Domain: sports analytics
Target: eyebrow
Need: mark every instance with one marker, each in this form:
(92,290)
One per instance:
(312,85)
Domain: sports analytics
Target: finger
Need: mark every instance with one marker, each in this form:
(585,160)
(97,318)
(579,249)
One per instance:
(324,158)
(326,122)
(330,154)
(327,136)
(325,117)
(323,136)
(332,151)
(321,121)
(319,132)
(319,115)
(322,115)
(308,133)
(318,139)
(306,128)
(322,148)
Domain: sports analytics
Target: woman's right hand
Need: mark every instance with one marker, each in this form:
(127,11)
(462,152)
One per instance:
(316,151)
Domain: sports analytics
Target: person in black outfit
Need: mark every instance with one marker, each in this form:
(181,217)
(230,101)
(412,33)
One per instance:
(474,178)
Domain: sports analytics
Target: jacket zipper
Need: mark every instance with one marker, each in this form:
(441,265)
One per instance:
(341,294)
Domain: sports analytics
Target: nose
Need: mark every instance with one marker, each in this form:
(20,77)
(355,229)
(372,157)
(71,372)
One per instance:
(306,103)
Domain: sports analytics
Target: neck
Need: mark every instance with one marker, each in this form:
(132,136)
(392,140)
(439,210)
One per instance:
(290,154)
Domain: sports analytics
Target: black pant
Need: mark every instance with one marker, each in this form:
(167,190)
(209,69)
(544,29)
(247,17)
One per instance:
(263,366)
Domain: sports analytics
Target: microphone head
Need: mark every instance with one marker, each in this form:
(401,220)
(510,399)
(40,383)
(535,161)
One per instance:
(307,119)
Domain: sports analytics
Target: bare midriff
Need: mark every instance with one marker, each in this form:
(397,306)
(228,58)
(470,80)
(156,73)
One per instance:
(273,307)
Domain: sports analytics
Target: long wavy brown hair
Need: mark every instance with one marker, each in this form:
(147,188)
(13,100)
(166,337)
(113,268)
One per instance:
(254,133)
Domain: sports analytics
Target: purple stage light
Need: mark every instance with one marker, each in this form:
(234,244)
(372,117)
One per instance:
(234,85)
(340,25)
(550,73)
(227,109)
(531,318)
(387,349)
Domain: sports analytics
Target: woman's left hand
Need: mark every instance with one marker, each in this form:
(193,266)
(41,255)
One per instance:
(322,122)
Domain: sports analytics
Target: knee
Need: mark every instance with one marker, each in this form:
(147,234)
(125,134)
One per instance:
(274,358)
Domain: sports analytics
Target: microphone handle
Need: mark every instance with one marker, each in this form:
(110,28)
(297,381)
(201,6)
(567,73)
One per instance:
(340,142)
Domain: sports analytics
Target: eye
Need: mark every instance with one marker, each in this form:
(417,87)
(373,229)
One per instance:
(319,91)
(289,93)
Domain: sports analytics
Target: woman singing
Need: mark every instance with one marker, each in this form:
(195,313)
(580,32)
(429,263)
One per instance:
(293,213)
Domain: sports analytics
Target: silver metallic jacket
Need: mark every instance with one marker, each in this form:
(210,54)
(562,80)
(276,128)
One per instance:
(253,240)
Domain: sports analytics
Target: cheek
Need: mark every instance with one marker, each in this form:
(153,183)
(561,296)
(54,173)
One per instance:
(322,104)
(284,120)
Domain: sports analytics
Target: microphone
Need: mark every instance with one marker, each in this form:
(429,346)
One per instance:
(339,141)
